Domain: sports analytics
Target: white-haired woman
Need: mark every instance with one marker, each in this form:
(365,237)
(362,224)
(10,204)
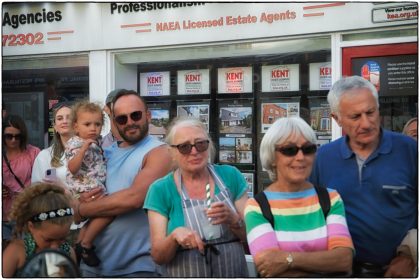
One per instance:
(195,212)
(302,241)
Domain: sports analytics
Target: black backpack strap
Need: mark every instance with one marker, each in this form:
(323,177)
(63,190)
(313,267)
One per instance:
(324,200)
(265,207)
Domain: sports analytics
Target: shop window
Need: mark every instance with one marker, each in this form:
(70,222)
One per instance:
(32,86)
(238,98)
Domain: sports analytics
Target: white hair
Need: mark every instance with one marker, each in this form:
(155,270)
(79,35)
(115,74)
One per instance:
(346,84)
(181,122)
(278,133)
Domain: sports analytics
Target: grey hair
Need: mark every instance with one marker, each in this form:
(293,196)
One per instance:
(405,129)
(346,84)
(181,122)
(278,133)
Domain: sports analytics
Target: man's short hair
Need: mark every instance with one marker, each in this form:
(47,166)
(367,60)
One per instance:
(125,92)
(111,95)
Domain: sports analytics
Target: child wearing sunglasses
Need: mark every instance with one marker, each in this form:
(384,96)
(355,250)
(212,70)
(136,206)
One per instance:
(87,170)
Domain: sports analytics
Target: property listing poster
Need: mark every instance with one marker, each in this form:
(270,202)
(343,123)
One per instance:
(394,75)
(234,80)
(193,81)
(249,178)
(320,119)
(277,78)
(197,110)
(160,119)
(320,76)
(155,84)
(235,132)
(270,112)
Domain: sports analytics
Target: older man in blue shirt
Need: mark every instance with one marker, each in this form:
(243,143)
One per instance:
(375,172)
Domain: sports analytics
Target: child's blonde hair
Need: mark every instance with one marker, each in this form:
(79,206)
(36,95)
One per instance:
(85,106)
(40,198)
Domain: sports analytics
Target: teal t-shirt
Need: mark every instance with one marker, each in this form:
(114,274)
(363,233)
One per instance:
(163,196)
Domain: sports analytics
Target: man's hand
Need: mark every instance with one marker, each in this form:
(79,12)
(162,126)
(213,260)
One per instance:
(91,195)
(85,197)
(401,266)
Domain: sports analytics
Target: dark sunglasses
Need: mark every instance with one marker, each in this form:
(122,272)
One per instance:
(186,148)
(123,119)
(9,136)
(291,151)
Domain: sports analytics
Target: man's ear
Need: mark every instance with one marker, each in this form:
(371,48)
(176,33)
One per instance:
(336,118)
(149,115)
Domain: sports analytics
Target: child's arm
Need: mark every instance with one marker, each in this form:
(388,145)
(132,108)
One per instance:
(75,163)
(12,259)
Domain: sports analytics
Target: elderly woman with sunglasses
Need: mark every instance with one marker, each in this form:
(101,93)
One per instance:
(195,212)
(18,159)
(302,240)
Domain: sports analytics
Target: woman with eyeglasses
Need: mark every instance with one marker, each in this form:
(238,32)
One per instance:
(195,212)
(300,240)
(18,159)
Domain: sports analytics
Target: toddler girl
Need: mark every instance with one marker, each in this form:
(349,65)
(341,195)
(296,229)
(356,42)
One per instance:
(43,216)
(87,170)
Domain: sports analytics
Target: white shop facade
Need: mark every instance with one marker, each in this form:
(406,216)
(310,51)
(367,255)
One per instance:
(235,66)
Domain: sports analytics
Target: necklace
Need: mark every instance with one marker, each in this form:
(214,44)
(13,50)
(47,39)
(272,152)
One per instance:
(30,246)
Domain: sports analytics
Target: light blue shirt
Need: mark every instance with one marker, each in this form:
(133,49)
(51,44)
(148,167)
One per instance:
(124,246)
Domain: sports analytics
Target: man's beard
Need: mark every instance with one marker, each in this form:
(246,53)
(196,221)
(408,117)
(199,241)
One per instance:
(133,139)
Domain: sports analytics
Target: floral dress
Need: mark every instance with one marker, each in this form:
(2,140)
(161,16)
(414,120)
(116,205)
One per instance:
(92,172)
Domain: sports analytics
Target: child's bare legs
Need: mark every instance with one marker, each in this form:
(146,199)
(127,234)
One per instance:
(89,232)
(86,237)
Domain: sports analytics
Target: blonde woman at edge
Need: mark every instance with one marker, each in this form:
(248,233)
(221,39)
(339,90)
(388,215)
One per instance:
(53,157)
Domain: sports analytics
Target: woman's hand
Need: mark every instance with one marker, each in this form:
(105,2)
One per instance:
(271,262)
(220,213)
(188,239)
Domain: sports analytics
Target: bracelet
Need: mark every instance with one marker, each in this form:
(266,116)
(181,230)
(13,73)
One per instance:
(78,212)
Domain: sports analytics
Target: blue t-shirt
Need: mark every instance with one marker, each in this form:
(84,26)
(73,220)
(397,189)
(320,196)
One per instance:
(381,206)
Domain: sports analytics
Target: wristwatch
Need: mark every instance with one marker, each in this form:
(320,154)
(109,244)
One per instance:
(289,260)
(238,224)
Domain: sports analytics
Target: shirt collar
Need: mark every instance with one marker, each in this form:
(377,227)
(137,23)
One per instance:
(385,145)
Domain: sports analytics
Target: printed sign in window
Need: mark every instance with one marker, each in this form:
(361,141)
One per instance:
(277,78)
(155,84)
(235,80)
(194,82)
